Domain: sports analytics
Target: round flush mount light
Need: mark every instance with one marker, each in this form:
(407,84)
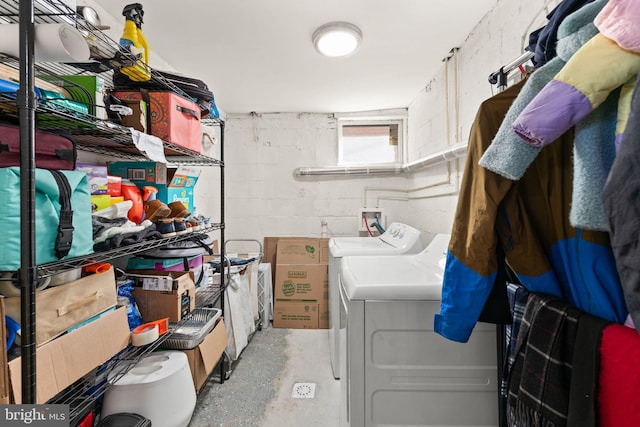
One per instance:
(337,39)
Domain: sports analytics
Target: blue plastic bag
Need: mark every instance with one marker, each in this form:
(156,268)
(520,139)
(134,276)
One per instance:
(133,314)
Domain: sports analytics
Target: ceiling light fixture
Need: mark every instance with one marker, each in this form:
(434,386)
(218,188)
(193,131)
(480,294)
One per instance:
(337,39)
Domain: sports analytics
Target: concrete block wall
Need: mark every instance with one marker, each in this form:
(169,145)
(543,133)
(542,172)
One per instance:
(261,151)
(452,98)
(263,197)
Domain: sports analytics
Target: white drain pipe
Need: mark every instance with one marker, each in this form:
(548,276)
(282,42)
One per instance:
(450,153)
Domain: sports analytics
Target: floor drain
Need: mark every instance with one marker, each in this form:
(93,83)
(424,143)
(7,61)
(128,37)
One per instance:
(303,391)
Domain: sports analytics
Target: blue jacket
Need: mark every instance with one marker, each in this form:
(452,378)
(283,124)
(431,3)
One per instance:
(529,219)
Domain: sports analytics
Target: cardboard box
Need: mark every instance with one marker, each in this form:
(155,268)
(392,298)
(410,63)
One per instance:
(182,182)
(203,358)
(302,251)
(140,173)
(61,362)
(99,202)
(269,245)
(137,120)
(97,176)
(323,316)
(296,314)
(158,304)
(302,282)
(173,118)
(62,307)
(175,184)
(114,185)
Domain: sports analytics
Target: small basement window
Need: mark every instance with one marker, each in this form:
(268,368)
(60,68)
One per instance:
(370,142)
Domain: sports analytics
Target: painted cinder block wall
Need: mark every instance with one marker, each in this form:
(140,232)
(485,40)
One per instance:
(264,198)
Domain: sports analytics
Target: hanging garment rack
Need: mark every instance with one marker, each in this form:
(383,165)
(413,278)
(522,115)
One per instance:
(500,77)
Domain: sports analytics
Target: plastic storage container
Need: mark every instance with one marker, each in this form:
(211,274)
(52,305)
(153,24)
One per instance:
(124,420)
(159,387)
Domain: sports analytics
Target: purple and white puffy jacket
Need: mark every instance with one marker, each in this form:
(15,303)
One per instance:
(609,60)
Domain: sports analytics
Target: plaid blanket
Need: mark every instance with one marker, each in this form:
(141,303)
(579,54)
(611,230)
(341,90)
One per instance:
(517,296)
(540,377)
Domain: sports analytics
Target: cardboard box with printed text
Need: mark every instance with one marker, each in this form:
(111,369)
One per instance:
(168,294)
(66,359)
(302,282)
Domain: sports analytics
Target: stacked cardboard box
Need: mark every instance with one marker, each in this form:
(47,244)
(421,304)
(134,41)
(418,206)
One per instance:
(68,358)
(301,284)
(63,307)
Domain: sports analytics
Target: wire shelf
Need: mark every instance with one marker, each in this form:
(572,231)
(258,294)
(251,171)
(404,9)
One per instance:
(105,53)
(61,266)
(92,386)
(93,134)
(102,137)
(98,136)
(55,267)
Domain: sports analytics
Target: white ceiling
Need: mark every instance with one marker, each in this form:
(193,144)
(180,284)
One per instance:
(257,55)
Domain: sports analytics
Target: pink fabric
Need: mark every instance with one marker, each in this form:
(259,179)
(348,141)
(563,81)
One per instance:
(619,21)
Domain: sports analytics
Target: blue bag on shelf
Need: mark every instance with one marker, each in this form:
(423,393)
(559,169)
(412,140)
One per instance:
(133,314)
(63,226)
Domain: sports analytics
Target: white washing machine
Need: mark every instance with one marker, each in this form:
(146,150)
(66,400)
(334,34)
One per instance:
(397,239)
(395,370)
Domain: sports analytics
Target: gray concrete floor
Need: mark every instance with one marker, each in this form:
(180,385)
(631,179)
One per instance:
(258,392)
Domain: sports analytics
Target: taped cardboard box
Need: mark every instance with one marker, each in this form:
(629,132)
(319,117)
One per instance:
(161,294)
(61,362)
(323,316)
(269,248)
(296,314)
(304,282)
(203,358)
(64,306)
(302,251)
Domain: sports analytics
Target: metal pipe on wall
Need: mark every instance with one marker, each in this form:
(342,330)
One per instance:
(347,170)
(429,196)
(450,153)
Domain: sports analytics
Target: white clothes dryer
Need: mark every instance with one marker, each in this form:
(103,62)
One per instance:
(397,239)
(395,370)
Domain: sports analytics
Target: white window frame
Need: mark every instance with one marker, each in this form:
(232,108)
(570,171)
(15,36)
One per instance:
(367,119)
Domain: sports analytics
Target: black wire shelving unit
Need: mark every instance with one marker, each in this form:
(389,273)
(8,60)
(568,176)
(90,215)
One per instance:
(92,135)
(82,394)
